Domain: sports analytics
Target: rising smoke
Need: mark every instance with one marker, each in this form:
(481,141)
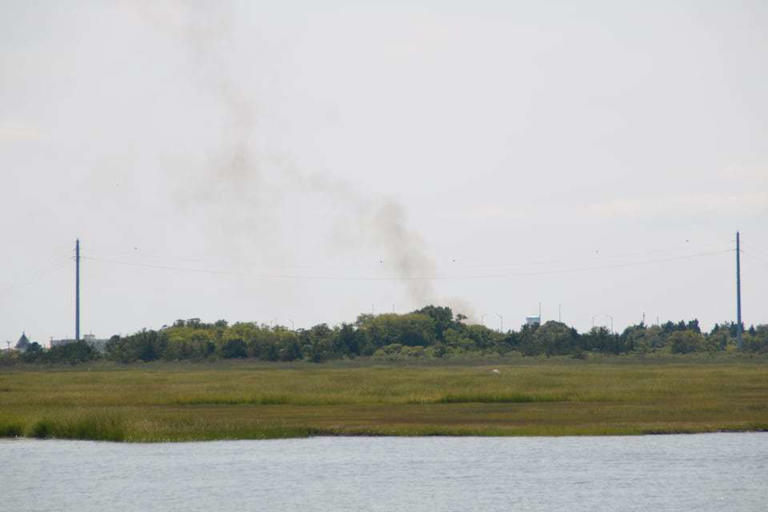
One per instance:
(237,185)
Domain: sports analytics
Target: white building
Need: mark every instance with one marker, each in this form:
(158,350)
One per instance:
(533,320)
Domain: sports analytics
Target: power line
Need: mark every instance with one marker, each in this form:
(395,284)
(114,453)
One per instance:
(626,265)
(755,251)
(160,267)
(592,256)
(37,274)
(754,256)
(596,257)
(290,276)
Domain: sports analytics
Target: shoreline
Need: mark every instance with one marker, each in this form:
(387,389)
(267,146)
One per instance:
(763,430)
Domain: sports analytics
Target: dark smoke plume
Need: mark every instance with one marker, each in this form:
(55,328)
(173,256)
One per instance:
(235,183)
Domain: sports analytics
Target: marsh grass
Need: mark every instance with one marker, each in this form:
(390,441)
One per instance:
(235,400)
(11,429)
(185,402)
(88,425)
(510,398)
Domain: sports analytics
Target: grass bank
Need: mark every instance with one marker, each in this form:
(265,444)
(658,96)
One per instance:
(184,402)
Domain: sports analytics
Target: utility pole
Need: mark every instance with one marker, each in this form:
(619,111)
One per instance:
(738,292)
(560,313)
(77,290)
(501,320)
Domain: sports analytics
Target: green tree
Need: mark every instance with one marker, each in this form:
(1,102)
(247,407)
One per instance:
(144,345)
(234,349)
(598,339)
(442,318)
(556,338)
(33,353)
(292,351)
(349,340)
(756,340)
(73,353)
(685,342)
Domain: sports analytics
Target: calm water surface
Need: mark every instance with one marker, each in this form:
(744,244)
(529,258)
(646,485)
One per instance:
(656,473)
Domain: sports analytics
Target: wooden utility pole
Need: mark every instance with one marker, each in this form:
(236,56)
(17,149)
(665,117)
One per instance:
(739,328)
(77,290)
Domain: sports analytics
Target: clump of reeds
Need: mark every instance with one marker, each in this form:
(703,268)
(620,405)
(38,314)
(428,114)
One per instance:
(11,429)
(97,427)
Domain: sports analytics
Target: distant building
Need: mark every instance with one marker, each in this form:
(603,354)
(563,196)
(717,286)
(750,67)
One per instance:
(533,320)
(97,343)
(23,344)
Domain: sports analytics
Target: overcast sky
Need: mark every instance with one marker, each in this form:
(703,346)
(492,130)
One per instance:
(295,163)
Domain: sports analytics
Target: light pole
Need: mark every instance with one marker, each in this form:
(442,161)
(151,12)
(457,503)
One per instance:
(501,322)
(609,316)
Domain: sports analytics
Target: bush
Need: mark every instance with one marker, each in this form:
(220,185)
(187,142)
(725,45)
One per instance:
(10,429)
(234,349)
(685,342)
(144,345)
(72,353)
(99,427)
(756,340)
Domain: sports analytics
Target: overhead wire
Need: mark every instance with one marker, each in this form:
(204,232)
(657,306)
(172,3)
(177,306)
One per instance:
(319,271)
(157,266)
(600,255)
(291,276)
(754,250)
(754,257)
(37,274)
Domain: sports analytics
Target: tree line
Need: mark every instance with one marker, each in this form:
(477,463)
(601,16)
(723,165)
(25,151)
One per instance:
(429,332)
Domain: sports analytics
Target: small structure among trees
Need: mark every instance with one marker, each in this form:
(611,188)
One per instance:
(23,344)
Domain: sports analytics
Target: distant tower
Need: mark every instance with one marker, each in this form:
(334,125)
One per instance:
(77,290)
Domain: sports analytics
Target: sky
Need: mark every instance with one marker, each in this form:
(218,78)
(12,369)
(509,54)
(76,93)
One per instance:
(292,163)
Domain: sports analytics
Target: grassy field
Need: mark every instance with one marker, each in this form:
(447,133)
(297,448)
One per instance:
(184,402)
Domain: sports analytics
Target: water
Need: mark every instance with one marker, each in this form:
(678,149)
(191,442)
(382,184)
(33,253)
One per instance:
(705,472)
